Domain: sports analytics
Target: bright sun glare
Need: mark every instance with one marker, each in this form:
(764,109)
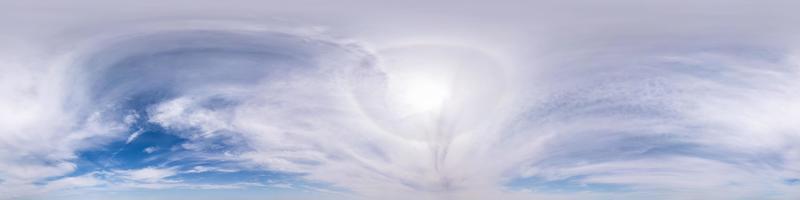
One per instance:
(421,93)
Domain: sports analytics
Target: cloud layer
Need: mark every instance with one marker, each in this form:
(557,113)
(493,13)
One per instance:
(572,101)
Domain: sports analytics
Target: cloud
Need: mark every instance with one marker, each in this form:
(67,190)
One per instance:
(202,169)
(148,174)
(75,182)
(133,136)
(534,100)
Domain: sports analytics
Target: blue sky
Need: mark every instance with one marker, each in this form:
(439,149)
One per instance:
(407,100)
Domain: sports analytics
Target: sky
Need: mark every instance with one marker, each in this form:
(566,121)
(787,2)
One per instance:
(429,100)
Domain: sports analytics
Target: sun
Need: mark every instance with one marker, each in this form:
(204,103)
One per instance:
(425,94)
(418,93)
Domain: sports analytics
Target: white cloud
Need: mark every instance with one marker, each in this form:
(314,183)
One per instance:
(151,149)
(202,169)
(133,136)
(181,114)
(147,175)
(88,180)
(675,100)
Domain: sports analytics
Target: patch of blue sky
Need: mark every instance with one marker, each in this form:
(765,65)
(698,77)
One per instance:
(120,154)
(131,151)
(232,177)
(156,146)
(245,193)
(566,185)
(270,179)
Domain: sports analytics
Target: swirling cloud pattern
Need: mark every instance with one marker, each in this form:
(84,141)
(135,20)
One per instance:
(361,100)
